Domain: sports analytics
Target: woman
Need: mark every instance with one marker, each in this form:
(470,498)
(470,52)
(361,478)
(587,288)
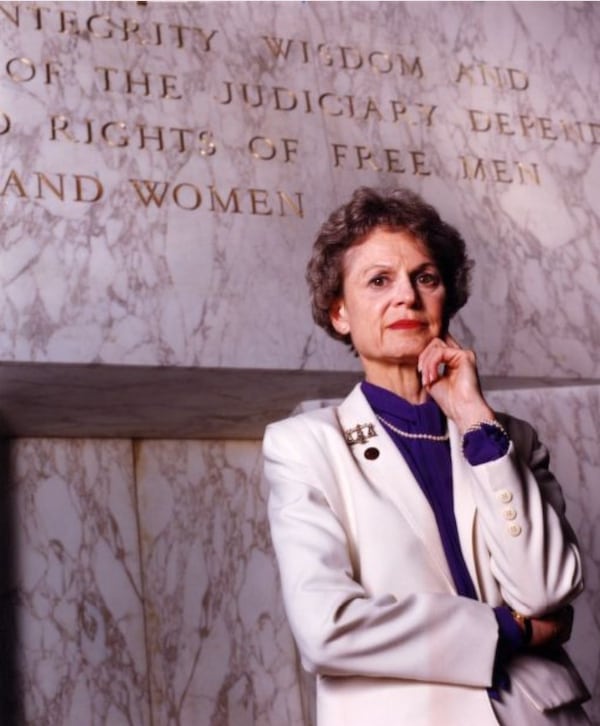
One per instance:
(425,559)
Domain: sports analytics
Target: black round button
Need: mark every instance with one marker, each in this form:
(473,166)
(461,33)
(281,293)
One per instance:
(371,453)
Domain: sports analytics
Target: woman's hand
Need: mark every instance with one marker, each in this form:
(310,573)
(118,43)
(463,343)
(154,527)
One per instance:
(456,390)
(553,629)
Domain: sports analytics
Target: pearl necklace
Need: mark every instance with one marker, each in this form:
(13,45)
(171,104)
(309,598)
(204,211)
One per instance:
(408,435)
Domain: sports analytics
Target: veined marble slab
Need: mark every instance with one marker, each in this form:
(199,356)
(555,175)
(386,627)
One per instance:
(220,651)
(77,586)
(165,166)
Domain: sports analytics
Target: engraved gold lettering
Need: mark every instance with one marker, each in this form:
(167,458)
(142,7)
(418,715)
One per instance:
(324,54)
(13,182)
(150,192)
(339,153)
(189,197)
(517,79)
(398,109)
(343,57)
(14,19)
(501,172)
(129,28)
(381,67)
(180,135)
(393,165)
(387,160)
(104,32)
(232,199)
(322,105)
(464,71)
(527,124)
(229,94)
(369,108)
(259,99)
(276,46)
(291,97)
(191,191)
(262,148)
(472,170)
(144,82)
(528,172)
(180,36)
(60,124)
(546,129)
(20,70)
(51,72)
(122,139)
(350,100)
(364,154)
(512,78)
(158,40)
(351,59)
(290,148)
(480,121)
(572,131)
(415,70)
(206,38)
(38,17)
(418,160)
(307,103)
(285,200)
(44,181)
(94,188)
(157,136)
(168,86)
(68,22)
(23,70)
(106,72)
(427,112)
(208,146)
(259,202)
(504,124)
(372,108)
(498,171)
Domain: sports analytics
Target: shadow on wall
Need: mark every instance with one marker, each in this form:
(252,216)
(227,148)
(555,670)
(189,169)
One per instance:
(10,686)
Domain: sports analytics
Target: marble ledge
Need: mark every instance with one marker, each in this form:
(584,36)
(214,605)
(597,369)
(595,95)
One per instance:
(64,400)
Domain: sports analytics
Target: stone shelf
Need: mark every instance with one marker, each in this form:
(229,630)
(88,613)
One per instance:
(117,401)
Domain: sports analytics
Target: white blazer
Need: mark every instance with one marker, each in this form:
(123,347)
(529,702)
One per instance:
(366,585)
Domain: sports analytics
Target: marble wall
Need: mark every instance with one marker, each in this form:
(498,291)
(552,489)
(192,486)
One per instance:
(166,165)
(144,587)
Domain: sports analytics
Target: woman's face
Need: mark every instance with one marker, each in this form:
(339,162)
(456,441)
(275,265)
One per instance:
(393,299)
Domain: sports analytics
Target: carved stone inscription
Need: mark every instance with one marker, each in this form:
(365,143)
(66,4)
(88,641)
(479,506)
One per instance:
(134,103)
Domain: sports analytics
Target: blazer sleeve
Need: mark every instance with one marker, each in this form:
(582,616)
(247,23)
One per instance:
(533,552)
(341,629)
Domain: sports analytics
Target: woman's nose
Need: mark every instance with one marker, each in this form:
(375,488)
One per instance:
(404,291)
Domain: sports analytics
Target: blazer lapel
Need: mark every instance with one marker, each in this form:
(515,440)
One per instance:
(386,470)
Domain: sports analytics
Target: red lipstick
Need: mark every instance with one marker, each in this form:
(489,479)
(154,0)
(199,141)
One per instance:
(406,325)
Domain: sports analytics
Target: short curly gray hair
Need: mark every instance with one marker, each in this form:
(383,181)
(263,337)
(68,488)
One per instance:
(398,210)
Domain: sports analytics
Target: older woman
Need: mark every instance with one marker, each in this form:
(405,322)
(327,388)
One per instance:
(425,558)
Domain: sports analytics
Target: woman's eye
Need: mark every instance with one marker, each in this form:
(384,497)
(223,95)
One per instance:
(428,279)
(378,281)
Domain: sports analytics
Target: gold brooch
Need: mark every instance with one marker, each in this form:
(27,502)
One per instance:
(360,434)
